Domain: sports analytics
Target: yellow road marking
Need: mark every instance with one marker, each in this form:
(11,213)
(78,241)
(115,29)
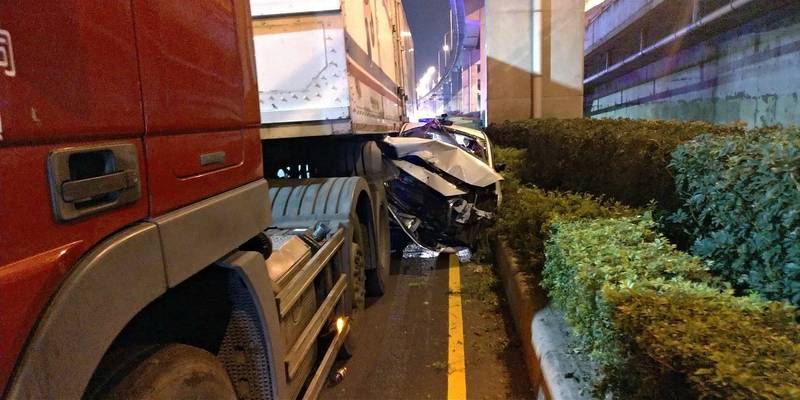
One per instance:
(456,368)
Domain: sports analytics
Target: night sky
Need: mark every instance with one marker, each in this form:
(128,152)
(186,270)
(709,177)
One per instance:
(429,20)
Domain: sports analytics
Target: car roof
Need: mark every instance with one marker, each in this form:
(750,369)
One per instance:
(458,128)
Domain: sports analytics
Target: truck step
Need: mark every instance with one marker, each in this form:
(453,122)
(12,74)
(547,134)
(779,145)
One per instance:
(318,382)
(309,336)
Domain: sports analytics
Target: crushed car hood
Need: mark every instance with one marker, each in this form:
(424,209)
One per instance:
(429,178)
(450,159)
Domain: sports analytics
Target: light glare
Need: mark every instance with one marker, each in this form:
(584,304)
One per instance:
(426,82)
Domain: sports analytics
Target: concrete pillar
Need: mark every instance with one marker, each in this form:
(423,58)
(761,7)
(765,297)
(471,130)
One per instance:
(695,10)
(534,52)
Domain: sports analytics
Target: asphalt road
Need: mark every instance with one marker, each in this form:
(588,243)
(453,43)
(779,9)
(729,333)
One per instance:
(405,350)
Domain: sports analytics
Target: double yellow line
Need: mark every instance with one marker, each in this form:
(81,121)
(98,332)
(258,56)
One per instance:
(456,366)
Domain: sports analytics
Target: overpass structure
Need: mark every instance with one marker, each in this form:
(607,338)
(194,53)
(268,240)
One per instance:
(720,61)
(516,59)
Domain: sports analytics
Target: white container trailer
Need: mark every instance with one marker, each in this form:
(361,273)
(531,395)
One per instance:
(332,67)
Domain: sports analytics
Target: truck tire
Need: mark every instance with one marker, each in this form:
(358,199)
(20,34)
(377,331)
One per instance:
(359,249)
(378,278)
(174,371)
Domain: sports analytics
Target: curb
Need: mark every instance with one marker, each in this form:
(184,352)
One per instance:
(541,329)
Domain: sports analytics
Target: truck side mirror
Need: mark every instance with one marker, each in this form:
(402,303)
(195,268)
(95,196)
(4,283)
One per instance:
(500,167)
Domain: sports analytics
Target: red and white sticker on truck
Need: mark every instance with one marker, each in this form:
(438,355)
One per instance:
(7,54)
(6,63)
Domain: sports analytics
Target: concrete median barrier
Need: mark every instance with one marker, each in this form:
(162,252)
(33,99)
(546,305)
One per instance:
(555,371)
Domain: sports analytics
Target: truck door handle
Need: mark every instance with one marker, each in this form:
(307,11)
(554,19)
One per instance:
(88,180)
(82,189)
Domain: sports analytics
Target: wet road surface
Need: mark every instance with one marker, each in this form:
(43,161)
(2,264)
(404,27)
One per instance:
(405,349)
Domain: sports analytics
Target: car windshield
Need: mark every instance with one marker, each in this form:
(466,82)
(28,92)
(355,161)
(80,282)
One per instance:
(450,135)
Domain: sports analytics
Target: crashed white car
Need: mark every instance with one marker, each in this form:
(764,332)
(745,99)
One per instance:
(445,189)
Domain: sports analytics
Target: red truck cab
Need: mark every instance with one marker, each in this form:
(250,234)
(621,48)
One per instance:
(115,118)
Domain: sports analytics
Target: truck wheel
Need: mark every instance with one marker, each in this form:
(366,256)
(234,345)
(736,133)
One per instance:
(378,277)
(175,371)
(359,250)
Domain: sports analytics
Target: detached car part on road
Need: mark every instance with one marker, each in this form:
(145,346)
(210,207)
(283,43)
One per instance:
(445,189)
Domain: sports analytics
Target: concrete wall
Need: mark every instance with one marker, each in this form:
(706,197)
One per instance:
(561,94)
(472,71)
(534,65)
(471,81)
(617,15)
(749,73)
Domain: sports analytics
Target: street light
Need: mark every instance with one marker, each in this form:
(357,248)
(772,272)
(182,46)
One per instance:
(439,60)
(446,48)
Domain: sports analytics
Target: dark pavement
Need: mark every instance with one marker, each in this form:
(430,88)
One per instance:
(403,350)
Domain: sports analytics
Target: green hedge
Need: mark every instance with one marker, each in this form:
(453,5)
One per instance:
(726,347)
(527,212)
(622,159)
(742,205)
(525,215)
(658,323)
(657,319)
(513,158)
(583,258)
